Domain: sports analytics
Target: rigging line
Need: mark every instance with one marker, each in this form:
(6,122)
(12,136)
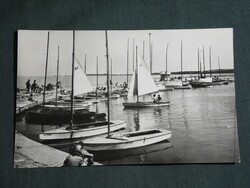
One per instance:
(66,72)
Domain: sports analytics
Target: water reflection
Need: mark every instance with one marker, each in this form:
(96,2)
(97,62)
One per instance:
(140,155)
(197,118)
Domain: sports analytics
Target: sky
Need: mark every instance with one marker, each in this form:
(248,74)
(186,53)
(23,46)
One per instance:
(32,47)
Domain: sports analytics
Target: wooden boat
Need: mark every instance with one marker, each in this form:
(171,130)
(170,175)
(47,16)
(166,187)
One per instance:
(127,140)
(67,102)
(62,107)
(202,82)
(145,104)
(80,131)
(183,87)
(141,84)
(63,117)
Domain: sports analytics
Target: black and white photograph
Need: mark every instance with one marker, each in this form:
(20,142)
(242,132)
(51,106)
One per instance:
(125,97)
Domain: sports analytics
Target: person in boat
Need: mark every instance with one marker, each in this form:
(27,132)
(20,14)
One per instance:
(159,99)
(28,85)
(155,99)
(79,157)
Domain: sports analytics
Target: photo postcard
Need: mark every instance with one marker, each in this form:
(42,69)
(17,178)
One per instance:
(125,97)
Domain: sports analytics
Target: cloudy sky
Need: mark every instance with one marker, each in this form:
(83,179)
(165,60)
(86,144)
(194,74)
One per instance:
(32,46)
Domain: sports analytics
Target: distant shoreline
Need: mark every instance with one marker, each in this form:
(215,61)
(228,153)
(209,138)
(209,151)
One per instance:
(215,71)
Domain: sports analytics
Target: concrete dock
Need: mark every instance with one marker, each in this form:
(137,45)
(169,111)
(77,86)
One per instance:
(23,104)
(40,154)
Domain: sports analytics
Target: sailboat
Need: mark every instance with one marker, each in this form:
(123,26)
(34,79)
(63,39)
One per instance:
(142,84)
(85,130)
(125,140)
(60,110)
(81,86)
(201,81)
(184,84)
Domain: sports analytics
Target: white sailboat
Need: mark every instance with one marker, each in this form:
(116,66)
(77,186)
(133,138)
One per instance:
(81,86)
(125,140)
(86,130)
(141,84)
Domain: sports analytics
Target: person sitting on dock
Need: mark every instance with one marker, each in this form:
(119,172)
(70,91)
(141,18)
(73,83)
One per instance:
(79,157)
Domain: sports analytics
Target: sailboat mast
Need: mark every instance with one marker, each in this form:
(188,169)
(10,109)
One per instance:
(181,60)
(96,75)
(133,54)
(150,53)
(219,65)
(111,75)
(57,72)
(85,64)
(204,63)
(46,69)
(72,82)
(137,94)
(127,59)
(167,59)
(143,49)
(210,62)
(198,73)
(107,55)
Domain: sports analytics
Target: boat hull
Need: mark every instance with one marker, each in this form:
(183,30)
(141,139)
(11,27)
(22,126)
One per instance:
(63,133)
(183,87)
(114,143)
(61,117)
(200,84)
(144,104)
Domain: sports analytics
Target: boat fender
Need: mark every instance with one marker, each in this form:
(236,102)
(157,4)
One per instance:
(144,139)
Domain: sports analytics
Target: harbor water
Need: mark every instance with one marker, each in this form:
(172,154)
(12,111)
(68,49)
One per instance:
(202,121)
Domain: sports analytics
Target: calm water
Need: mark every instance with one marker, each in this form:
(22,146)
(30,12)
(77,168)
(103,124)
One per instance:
(203,123)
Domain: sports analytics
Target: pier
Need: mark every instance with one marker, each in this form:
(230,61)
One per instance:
(38,154)
(23,104)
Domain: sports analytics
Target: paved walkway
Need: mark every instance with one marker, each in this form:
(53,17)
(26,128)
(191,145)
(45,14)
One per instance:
(38,152)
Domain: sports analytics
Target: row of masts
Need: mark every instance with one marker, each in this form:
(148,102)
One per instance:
(199,73)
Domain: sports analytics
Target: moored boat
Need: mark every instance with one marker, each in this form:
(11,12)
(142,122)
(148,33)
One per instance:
(142,84)
(145,104)
(62,117)
(127,140)
(202,82)
(82,131)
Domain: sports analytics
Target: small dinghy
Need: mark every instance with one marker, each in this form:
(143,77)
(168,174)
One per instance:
(127,140)
(66,107)
(144,104)
(82,131)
